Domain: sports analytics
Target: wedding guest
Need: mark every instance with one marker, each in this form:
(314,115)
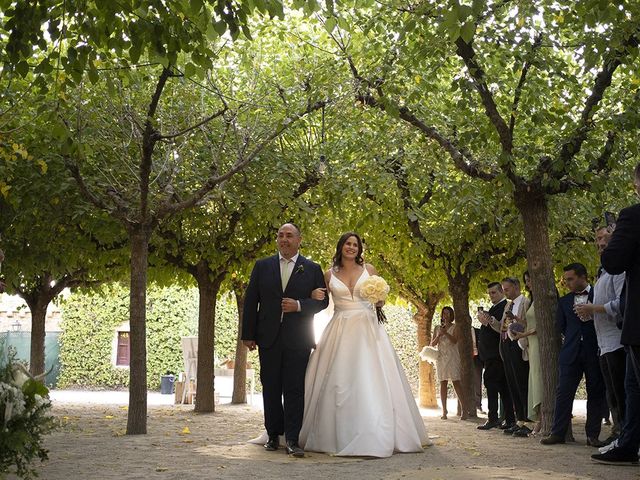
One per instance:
(495,380)
(515,365)
(448,365)
(605,311)
(578,358)
(534,392)
(477,370)
(623,255)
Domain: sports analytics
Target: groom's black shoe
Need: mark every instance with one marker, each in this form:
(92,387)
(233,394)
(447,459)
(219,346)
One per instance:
(273,444)
(294,449)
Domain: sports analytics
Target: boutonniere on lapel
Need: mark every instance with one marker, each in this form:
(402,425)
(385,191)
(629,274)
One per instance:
(300,269)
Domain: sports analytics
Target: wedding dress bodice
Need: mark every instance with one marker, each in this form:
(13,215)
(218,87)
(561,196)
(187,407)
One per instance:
(342,298)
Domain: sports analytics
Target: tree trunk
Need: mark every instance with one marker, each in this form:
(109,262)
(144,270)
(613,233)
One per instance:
(426,374)
(240,369)
(38,300)
(137,415)
(533,208)
(208,287)
(38,318)
(459,291)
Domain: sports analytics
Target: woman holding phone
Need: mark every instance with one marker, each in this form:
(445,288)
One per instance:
(448,365)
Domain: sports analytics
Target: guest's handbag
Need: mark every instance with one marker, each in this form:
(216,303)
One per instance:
(429,354)
(523,343)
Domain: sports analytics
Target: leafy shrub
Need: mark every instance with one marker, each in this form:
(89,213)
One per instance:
(403,333)
(89,328)
(24,420)
(90,321)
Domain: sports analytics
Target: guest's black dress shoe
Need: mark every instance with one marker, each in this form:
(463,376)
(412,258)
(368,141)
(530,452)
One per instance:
(272,444)
(616,457)
(522,432)
(488,425)
(552,440)
(511,429)
(294,449)
(595,442)
(505,425)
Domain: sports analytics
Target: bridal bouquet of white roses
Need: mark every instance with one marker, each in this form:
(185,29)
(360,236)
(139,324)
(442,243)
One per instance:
(375,290)
(24,419)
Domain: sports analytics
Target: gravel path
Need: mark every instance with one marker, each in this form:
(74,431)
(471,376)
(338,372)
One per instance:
(182,445)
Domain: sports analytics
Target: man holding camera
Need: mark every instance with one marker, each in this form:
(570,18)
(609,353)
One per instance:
(489,352)
(516,368)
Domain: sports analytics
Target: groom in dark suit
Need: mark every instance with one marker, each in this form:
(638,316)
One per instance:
(278,319)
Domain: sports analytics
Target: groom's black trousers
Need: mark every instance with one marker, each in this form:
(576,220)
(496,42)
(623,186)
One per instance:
(282,371)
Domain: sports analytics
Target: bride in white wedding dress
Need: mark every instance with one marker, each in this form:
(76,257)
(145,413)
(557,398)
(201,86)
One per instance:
(357,397)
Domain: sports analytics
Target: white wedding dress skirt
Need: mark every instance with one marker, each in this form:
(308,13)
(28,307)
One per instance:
(357,397)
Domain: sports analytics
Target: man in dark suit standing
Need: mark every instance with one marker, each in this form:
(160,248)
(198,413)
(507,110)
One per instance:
(578,357)
(489,352)
(623,255)
(278,319)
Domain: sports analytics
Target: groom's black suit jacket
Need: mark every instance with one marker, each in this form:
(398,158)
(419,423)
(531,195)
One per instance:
(262,318)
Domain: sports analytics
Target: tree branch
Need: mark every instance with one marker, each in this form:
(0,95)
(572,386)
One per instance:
(462,159)
(395,167)
(598,165)
(149,139)
(211,182)
(523,78)
(466,52)
(217,114)
(426,198)
(117,212)
(573,144)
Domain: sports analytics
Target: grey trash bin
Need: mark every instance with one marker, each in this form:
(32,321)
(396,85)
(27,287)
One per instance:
(166,384)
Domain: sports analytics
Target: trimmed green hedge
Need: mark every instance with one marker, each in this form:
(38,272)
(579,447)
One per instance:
(90,321)
(403,333)
(89,325)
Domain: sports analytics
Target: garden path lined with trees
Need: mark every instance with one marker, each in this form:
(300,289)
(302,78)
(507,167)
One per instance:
(187,446)
(163,142)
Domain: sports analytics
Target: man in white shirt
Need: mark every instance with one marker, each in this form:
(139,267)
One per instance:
(605,311)
(515,366)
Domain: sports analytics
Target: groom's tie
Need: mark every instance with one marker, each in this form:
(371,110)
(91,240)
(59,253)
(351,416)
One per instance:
(285,271)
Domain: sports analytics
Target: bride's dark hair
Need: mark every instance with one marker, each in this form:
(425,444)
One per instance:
(337,258)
